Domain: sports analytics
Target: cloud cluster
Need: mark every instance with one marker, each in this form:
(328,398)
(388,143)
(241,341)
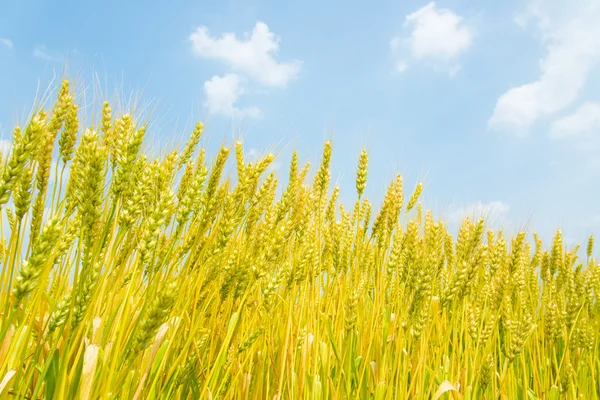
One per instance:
(221,94)
(436,34)
(250,59)
(570,33)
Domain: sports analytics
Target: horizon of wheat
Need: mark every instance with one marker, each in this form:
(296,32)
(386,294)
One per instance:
(132,277)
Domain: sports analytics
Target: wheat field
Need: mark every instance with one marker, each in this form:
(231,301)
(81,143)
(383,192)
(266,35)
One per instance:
(133,277)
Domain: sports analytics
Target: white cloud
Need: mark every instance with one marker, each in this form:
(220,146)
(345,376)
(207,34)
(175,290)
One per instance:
(252,56)
(583,123)
(571,34)
(493,212)
(221,95)
(6,42)
(42,52)
(437,34)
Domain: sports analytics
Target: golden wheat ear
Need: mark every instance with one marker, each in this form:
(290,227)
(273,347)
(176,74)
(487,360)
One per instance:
(165,275)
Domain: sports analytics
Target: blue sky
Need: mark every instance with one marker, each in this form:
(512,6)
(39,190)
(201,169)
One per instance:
(495,106)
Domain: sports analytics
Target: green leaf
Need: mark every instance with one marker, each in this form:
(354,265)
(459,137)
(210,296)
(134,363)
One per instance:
(51,375)
(554,393)
(332,340)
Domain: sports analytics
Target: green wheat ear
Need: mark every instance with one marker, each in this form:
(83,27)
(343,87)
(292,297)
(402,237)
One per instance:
(361,173)
(22,151)
(31,269)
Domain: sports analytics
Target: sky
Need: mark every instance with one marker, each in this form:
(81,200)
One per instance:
(494,106)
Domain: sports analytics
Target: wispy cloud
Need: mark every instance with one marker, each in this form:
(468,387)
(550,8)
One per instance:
(42,52)
(436,34)
(494,212)
(582,126)
(570,32)
(6,42)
